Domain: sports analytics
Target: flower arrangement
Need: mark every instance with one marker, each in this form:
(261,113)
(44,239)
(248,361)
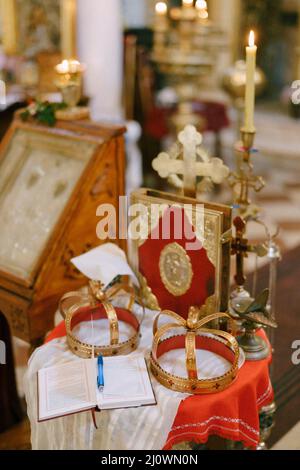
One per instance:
(43,112)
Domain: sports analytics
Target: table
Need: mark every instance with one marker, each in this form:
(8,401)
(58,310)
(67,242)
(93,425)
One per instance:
(231,414)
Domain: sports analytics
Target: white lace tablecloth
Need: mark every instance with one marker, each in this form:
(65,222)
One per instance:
(144,428)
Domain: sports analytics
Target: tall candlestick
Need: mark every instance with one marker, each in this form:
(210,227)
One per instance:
(251,51)
(68,29)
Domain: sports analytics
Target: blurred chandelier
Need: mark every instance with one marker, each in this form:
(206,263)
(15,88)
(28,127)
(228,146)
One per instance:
(186,49)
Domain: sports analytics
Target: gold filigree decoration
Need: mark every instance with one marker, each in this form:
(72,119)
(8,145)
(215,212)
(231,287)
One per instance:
(150,300)
(209,307)
(175,269)
(210,241)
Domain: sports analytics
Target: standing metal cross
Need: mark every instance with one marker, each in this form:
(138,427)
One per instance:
(189,167)
(245,180)
(240,248)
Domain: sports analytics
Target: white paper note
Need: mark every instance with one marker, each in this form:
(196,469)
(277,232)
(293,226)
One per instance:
(104,264)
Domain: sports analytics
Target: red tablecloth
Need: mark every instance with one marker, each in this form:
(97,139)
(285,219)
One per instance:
(231,414)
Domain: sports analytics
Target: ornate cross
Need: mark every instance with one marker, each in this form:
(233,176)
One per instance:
(240,248)
(245,180)
(189,167)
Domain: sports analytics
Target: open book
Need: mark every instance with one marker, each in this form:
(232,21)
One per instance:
(72,387)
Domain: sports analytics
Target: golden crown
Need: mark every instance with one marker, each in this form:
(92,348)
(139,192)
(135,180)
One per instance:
(77,307)
(196,337)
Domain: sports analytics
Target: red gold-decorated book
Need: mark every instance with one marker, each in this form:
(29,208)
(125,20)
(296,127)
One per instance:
(180,250)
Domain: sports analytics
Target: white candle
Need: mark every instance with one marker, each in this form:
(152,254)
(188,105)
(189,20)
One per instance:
(251,51)
(201,7)
(161,9)
(161,22)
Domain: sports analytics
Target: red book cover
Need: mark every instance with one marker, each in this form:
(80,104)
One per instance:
(181,258)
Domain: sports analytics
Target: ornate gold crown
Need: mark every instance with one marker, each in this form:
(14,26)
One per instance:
(196,337)
(77,307)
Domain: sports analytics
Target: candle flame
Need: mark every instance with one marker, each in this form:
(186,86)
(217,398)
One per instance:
(69,66)
(201,5)
(161,8)
(251,39)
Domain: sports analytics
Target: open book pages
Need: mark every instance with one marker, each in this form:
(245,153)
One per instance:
(126,383)
(72,388)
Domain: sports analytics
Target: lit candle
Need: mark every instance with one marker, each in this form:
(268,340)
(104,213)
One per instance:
(201,7)
(251,51)
(161,20)
(69,67)
(63,67)
(161,9)
(161,23)
(68,28)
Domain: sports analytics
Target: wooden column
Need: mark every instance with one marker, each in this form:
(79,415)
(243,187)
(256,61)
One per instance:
(227,16)
(9,25)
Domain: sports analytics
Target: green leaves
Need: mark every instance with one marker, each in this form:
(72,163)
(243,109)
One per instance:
(43,112)
(260,303)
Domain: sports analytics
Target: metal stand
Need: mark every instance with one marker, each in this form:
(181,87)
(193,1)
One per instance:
(255,347)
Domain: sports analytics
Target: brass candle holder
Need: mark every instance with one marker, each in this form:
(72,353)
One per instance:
(243,180)
(251,314)
(248,142)
(69,82)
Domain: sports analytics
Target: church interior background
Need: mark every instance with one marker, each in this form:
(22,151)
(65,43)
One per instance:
(136,75)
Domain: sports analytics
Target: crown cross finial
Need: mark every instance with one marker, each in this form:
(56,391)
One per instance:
(193,318)
(97,290)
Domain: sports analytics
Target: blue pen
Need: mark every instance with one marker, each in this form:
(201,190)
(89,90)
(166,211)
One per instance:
(100,378)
